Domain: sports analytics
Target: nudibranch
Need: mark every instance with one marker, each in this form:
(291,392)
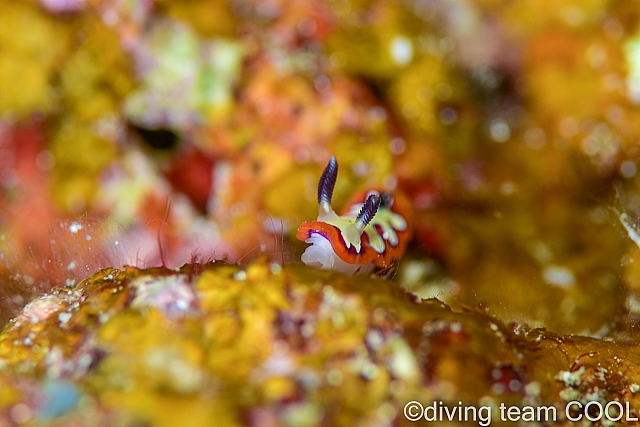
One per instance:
(372,233)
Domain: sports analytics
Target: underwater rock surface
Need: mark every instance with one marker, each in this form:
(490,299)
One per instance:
(272,345)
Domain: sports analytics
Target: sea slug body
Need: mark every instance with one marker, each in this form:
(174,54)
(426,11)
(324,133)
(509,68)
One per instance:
(373,231)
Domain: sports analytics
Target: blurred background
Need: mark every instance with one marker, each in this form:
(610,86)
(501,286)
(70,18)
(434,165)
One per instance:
(513,129)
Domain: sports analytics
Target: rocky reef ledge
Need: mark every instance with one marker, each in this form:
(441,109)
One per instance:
(272,345)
